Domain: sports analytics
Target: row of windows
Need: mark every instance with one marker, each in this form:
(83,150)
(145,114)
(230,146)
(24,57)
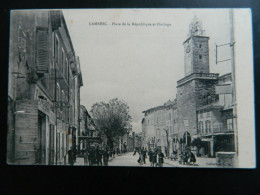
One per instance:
(207,114)
(206,129)
(169,129)
(60,56)
(60,94)
(160,119)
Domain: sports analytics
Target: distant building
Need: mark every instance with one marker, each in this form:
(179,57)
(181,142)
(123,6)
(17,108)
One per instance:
(159,126)
(89,134)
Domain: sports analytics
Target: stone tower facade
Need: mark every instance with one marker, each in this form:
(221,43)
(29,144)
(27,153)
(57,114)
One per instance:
(196,49)
(197,87)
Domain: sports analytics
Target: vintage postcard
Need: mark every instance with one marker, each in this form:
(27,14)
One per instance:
(131,87)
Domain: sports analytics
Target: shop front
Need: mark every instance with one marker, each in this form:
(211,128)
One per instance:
(34,132)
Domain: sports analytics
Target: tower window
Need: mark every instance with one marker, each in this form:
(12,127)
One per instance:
(200,57)
(199,45)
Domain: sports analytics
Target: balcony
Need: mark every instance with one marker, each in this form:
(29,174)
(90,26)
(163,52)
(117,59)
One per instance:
(211,76)
(217,129)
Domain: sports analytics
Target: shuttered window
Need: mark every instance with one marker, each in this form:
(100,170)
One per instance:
(42,57)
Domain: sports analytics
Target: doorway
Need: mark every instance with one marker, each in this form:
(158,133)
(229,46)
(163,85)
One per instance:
(41,151)
(51,145)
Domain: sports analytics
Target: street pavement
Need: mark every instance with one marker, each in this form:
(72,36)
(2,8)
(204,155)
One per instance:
(128,159)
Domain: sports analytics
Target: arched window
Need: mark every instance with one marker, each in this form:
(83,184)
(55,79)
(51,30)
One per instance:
(187,138)
(201,127)
(58,92)
(208,127)
(56,49)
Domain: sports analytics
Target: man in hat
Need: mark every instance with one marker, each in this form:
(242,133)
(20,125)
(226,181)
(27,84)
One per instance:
(71,156)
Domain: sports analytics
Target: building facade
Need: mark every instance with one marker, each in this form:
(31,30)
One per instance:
(160,127)
(202,108)
(215,121)
(89,135)
(44,77)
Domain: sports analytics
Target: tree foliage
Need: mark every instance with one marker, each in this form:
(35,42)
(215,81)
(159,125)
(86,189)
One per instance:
(112,119)
(197,142)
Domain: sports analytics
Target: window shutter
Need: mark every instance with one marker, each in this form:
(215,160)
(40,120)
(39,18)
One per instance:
(42,52)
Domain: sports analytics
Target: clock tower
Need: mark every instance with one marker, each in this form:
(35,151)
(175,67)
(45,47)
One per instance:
(198,83)
(196,50)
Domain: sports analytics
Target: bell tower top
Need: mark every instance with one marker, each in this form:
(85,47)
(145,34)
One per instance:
(195,28)
(196,49)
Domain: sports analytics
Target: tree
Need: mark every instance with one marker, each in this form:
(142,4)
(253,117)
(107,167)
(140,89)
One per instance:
(112,119)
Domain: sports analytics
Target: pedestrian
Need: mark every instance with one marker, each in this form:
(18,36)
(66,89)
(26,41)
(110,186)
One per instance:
(134,151)
(99,157)
(71,157)
(114,153)
(144,155)
(150,154)
(86,161)
(192,158)
(95,156)
(184,158)
(75,154)
(106,157)
(160,159)
(140,159)
(91,156)
(154,158)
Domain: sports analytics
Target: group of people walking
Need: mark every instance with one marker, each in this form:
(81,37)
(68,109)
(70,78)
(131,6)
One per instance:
(92,156)
(156,157)
(97,156)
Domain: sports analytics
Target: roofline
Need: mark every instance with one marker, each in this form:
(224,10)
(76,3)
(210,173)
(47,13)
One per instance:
(224,75)
(67,31)
(206,107)
(159,107)
(194,36)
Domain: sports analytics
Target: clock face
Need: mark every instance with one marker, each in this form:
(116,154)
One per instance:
(188,49)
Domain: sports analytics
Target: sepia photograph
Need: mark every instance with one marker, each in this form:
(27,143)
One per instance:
(131,87)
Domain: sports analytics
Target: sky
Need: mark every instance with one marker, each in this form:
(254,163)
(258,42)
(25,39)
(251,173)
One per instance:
(140,64)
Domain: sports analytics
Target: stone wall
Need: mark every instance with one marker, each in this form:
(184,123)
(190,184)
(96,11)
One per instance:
(186,108)
(200,48)
(191,96)
(26,131)
(10,131)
